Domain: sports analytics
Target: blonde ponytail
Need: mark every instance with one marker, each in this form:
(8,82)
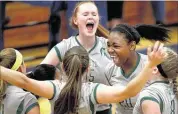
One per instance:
(102,32)
(175,83)
(2,91)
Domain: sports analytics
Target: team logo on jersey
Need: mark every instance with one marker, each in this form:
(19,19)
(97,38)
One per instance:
(103,52)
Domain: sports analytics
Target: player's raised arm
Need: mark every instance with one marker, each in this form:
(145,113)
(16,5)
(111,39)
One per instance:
(110,94)
(40,88)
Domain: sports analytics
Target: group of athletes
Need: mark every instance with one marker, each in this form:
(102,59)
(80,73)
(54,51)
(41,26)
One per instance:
(85,73)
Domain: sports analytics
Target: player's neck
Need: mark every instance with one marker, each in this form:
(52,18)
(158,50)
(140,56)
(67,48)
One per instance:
(158,78)
(131,63)
(86,41)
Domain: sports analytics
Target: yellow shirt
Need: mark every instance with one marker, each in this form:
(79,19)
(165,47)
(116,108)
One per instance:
(45,106)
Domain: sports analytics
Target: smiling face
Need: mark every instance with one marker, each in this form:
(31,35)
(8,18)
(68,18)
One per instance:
(86,18)
(119,48)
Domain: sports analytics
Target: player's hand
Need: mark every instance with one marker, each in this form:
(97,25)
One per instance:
(156,54)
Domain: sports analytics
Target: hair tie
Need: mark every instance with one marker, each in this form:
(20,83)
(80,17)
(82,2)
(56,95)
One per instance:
(18,60)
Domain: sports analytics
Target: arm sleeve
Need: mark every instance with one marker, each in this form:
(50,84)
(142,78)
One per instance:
(151,95)
(93,98)
(30,102)
(60,49)
(57,90)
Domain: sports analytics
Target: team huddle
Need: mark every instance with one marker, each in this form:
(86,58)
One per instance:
(86,73)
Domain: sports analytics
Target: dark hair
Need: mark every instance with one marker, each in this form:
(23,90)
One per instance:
(150,32)
(75,63)
(43,72)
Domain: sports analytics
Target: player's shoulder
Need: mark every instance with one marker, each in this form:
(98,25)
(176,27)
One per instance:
(152,89)
(16,90)
(143,59)
(143,56)
(65,44)
(68,40)
(19,93)
(102,39)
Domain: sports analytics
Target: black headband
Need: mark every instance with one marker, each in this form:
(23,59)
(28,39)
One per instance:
(160,69)
(122,28)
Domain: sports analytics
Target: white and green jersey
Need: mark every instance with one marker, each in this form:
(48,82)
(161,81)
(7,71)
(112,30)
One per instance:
(99,59)
(17,101)
(88,101)
(162,93)
(118,78)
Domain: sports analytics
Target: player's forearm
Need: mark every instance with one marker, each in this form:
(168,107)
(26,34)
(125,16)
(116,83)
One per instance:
(13,77)
(136,85)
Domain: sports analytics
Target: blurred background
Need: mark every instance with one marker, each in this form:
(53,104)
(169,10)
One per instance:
(26,26)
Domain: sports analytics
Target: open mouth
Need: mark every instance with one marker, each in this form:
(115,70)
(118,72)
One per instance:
(90,26)
(114,58)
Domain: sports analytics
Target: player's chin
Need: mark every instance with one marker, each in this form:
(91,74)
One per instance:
(90,34)
(116,62)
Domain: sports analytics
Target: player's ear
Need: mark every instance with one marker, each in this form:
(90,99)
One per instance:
(132,45)
(155,70)
(75,21)
(21,69)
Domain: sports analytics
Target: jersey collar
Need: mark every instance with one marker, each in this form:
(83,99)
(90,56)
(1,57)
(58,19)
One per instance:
(96,42)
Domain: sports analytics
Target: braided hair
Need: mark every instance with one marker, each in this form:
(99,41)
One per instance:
(168,68)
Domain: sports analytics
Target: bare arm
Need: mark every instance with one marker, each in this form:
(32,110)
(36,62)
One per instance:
(51,58)
(107,94)
(40,88)
(113,94)
(150,107)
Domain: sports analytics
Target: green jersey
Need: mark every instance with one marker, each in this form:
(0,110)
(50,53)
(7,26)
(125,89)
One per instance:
(162,93)
(88,101)
(99,59)
(117,77)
